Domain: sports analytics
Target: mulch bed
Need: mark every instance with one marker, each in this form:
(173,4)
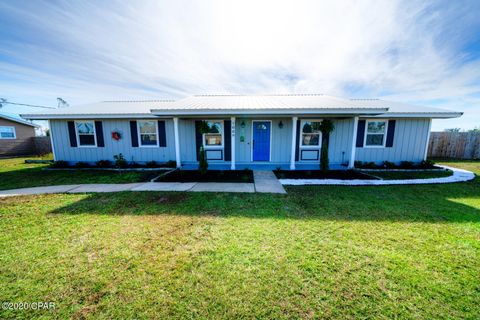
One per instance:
(210,176)
(318,174)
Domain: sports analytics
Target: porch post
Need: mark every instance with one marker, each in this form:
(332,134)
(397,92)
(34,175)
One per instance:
(351,163)
(232,133)
(177,142)
(294,143)
(426,144)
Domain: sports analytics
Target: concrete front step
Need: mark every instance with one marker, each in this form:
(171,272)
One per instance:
(267,182)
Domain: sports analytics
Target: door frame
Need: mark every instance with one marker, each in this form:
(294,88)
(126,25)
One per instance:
(251,141)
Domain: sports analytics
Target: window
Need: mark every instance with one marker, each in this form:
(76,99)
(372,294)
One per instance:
(213,136)
(375,133)
(7,133)
(310,134)
(86,133)
(148,133)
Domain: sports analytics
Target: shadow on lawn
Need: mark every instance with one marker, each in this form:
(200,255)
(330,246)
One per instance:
(427,203)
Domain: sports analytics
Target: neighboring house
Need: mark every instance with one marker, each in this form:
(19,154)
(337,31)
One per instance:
(257,131)
(16,136)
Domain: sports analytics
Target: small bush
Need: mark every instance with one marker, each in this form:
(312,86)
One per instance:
(134,164)
(120,161)
(389,165)
(170,164)
(60,164)
(406,164)
(104,163)
(369,165)
(427,164)
(81,164)
(152,164)
(202,164)
(357,164)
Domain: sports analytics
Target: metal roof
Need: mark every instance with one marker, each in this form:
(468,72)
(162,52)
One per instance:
(27,123)
(282,104)
(104,109)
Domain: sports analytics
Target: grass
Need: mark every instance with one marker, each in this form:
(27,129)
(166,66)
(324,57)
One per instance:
(14,173)
(394,175)
(318,252)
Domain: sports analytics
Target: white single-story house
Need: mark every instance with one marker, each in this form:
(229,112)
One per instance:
(244,131)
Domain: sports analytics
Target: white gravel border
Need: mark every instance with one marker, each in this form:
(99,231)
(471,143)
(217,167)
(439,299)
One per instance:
(459,175)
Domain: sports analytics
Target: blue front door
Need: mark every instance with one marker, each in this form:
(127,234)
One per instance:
(261,140)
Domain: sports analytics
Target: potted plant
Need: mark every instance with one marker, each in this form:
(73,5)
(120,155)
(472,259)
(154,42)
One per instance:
(326,127)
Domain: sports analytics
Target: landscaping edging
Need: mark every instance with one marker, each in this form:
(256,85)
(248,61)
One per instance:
(459,175)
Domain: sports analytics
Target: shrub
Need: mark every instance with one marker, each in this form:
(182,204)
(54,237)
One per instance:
(203,164)
(120,161)
(389,165)
(81,164)
(104,163)
(151,164)
(357,164)
(369,165)
(60,164)
(170,164)
(326,127)
(427,164)
(406,164)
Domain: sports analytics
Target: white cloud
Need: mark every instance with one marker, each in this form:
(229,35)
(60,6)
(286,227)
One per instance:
(84,51)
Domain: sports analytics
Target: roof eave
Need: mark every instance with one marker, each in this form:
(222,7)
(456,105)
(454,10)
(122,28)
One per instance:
(87,116)
(431,115)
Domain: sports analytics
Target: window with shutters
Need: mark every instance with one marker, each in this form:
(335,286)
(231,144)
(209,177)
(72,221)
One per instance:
(375,133)
(147,133)
(85,131)
(214,136)
(310,133)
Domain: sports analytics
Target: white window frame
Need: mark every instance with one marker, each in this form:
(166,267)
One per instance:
(319,146)
(140,135)
(366,133)
(78,136)
(222,133)
(14,133)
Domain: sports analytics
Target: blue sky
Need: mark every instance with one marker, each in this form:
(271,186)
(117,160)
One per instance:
(426,53)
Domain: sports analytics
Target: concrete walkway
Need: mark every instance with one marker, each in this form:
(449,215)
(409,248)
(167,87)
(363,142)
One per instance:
(267,182)
(148,186)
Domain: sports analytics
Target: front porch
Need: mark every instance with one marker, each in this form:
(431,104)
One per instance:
(238,142)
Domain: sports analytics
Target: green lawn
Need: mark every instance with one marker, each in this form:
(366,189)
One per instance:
(15,173)
(317,252)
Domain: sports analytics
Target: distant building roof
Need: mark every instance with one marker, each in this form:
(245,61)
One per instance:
(282,104)
(27,123)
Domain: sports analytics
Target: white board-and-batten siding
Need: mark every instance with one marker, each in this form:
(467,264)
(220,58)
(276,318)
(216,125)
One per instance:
(408,144)
(63,150)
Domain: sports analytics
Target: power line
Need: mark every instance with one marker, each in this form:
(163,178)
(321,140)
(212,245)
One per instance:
(4,101)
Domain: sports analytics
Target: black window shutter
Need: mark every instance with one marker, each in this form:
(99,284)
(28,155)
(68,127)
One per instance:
(99,134)
(162,135)
(71,133)
(390,133)
(134,133)
(227,131)
(198,138)
(297,148)
(360,133)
